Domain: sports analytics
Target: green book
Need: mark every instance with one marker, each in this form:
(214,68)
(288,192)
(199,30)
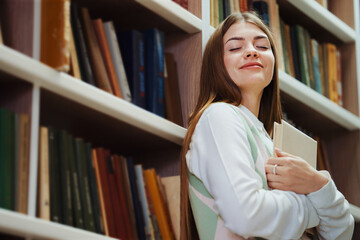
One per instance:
(83,176)
(7,159)
(65,177)
(75,188)
(302,55)
(55,181)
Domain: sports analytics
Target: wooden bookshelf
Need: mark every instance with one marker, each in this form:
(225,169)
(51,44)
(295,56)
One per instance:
(55,98)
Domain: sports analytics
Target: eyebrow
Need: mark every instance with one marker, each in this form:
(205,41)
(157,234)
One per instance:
(241,38)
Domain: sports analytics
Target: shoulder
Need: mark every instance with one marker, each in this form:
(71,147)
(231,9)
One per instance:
(219,110)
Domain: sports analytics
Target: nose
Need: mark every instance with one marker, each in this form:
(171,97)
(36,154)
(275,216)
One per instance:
(251,52)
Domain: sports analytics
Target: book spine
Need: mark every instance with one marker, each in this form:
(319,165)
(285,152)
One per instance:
(44,186)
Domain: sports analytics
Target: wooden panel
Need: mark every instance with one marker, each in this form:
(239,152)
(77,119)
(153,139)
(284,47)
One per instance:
(344,10)
(188,53)
(349,77)
(344,155)
(194,6)
(15,94)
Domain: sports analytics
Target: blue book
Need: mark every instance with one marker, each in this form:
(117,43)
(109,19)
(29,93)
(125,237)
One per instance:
(154,68)
(316,65)
(132,47)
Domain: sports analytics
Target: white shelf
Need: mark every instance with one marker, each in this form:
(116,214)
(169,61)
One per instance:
(355,211)
(325,19)
(30,227)
(30,70)
(318,102)
(174,13)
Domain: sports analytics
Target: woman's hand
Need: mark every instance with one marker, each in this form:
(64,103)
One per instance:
(293,174)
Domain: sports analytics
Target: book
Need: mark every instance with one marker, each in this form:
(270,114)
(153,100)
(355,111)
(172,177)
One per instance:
(135,198)
(97,64)
(65,179)
(149,230)
(105,53)
(43,176)
(74,60)
(173,111)
(1,38)
(55,34)
(7,168)
(172,192)
(80,46)
(158,202)
(332,72)
(22,162)
(291,140)
(302,55)
(94,192)
(316,65)
(154,69)
(55,166)
(117,59)
(133,53)
(84,186)
(339,77)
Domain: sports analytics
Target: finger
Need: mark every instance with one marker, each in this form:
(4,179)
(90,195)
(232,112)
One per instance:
(269,169)
(280,153)
(274,178)
(280,161)
(277,185)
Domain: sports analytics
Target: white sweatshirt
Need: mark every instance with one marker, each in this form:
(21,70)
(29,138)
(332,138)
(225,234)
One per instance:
(222,157)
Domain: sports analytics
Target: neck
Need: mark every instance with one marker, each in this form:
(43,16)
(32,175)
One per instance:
(252,102)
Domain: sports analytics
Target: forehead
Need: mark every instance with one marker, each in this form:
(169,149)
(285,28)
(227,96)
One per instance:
(243,30)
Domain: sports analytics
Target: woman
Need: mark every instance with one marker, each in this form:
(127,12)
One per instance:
(226,163)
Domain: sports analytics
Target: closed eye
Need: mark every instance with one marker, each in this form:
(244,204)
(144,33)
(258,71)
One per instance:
(234,49)
(263,47)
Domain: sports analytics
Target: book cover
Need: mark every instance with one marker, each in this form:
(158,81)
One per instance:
(172,192)
(7,156)
(154,68)
(173,111)
(23,160)
(122,197)
(332,72)
(158,203)
(96,61)
(65,179)
(135,198)
(84,187)
(55,166)
(302,55)
(133,53)
(316,65)
(80,46)
(55,34)
(117,59)
(105,53)
(43,176)
(94,192)
(291,140)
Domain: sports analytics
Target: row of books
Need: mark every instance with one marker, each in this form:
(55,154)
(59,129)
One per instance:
(128,64)
(92,189)
(317,65)
(14,160)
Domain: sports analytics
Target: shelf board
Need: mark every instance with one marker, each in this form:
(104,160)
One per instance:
(355,211)
(318,102)
(30,227)
(174,13)
(28,69)
(326,19)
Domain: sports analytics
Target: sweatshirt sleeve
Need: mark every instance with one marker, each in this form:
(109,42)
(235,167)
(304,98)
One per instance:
(220,156)
(336,221)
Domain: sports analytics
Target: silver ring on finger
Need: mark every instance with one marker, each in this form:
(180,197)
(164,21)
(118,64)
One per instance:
(274,169)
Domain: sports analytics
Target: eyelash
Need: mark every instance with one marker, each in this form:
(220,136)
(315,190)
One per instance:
(262,47)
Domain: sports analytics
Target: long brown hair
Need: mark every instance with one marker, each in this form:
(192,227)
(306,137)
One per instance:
(217,86)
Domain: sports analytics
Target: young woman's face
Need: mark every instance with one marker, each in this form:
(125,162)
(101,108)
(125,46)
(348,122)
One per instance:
(248,56)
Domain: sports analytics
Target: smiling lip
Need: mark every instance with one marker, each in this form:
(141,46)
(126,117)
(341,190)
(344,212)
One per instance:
(252,65)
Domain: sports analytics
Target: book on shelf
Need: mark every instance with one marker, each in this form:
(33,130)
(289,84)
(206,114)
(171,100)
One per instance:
(132,47)
(1,38)
(55,34)
(172,92)
(97,64)
(332,71)
(105,52)
(117,59)
(80,46)
(74,60)
(154,69)
(293,141)
(43,207)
